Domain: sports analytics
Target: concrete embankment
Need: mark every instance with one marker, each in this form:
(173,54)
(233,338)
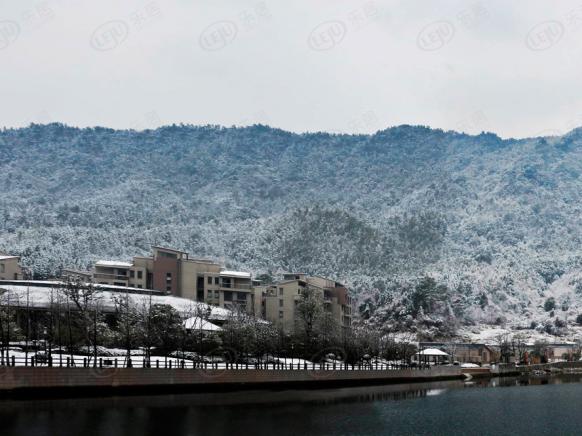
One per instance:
(35,382)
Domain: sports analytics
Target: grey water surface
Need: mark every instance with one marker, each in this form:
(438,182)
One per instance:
(513,406)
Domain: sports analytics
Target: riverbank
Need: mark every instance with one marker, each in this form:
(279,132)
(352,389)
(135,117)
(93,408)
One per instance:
(74,382)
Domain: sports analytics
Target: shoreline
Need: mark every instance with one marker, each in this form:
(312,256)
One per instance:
(27,383)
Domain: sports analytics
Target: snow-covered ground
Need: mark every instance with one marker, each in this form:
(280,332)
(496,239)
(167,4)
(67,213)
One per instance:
(165,362)
(492,335)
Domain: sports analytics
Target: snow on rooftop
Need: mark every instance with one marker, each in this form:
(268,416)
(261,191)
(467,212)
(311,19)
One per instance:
(113,263)
(432,352)
(5,257)
(41,296)
(242,274)
(197,323)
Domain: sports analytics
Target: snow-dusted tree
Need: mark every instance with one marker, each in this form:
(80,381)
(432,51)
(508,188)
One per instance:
(84,312)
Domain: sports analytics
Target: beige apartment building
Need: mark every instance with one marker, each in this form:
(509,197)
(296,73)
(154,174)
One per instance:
(10,268)
(278,302)
(175,272)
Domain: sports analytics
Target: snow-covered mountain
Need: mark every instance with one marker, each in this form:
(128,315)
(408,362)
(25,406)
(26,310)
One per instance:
(433,229)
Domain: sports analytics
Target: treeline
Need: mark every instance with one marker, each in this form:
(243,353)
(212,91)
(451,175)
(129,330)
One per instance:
(74,322)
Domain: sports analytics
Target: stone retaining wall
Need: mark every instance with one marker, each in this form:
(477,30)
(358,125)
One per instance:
(95,381)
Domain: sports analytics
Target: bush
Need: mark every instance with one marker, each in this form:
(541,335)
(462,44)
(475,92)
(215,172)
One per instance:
(550,304)
(579,319)
(559,323)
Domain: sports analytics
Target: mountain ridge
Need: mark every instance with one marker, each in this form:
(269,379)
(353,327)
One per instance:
(495,221)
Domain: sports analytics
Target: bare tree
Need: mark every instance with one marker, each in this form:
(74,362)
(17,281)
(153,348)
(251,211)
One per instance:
(128,323)
(503,341)
(85,301)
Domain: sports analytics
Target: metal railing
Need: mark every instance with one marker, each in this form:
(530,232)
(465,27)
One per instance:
(62,361)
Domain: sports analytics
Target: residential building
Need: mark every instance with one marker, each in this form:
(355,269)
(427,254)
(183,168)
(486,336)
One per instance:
(10,268)
(551,352)
(561,351)
(175,272)
(278,302)
(464,352)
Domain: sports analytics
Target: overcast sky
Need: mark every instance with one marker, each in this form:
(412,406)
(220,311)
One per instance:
(514,68)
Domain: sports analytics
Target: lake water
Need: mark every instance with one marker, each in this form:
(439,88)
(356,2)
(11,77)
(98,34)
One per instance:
(513,406)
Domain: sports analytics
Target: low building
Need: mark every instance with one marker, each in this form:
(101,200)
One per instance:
(543,352)
(10,268)
(562,351)
(464,352)
(84,276)
(41,295)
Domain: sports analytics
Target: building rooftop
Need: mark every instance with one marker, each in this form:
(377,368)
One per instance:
(41,294)
(173,250)
(113,264)
(241,274)
(5,257)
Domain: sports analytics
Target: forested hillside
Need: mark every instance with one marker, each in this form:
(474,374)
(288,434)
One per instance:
(432,229)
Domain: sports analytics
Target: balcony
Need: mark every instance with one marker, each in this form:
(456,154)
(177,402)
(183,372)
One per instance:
(235,287)
(102,276)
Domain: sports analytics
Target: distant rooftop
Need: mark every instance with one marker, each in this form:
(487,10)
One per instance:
(5,257)
(169,249)
(113,264)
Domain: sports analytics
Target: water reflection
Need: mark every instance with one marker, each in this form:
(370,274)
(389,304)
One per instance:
(404,409)
(398,392)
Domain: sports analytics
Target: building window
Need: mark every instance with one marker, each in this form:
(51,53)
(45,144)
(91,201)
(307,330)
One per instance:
(280,314)
(216,294)
(281,291)
(281,303)
(2,268)
(168,288)
(132,274)
(215,280)
(169,255)
(139,274)
(227,296)
(209,280)
(168,277)
(139,286)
